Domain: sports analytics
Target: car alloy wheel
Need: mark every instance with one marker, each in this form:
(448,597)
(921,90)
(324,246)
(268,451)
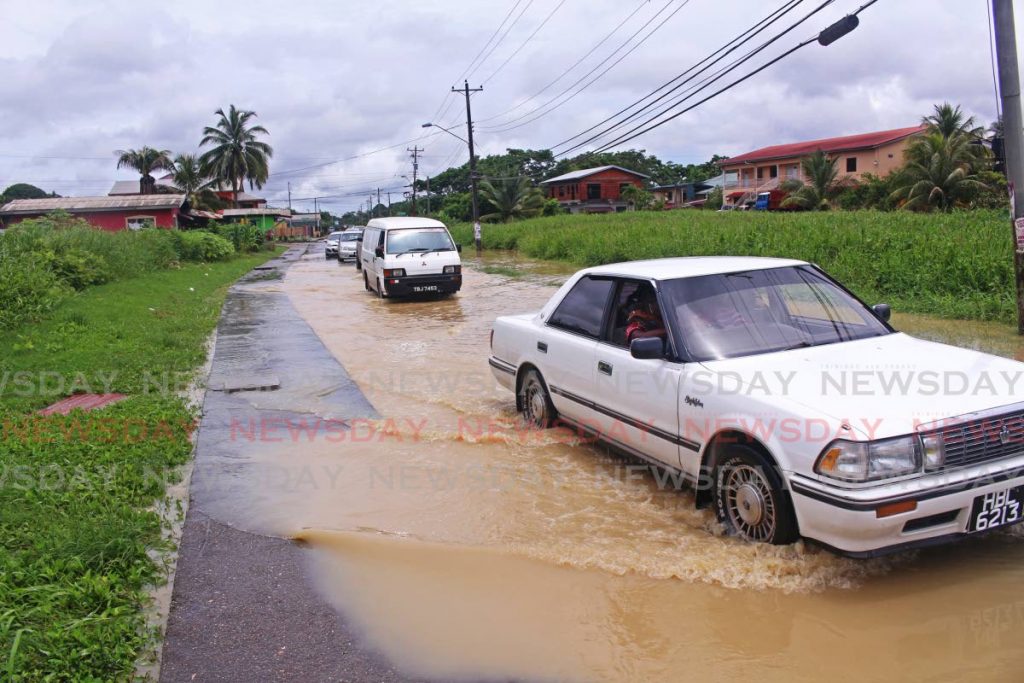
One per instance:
(750,499)
(535,401)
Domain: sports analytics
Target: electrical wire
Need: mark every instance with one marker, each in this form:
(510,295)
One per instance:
(524,43)
(696,70)
(501,128)
(992,61)
(627,137)
(500,40)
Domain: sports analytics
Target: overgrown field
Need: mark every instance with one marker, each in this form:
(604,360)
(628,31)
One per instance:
(76,491)
(956,265)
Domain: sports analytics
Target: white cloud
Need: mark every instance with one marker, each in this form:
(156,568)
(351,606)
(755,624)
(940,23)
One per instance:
(335,79)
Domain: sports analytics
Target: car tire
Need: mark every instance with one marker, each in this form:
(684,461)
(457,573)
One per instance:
(380,289)
(366,282)
(359,263)
(535,402)
(750,499)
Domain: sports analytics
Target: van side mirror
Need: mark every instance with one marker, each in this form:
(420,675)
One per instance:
(883,311)
(458,247)
(647,348)
(379,252)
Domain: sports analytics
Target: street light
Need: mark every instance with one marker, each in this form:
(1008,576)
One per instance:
(434,125)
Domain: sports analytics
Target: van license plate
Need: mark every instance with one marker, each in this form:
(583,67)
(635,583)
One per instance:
(425,288)
(996,509)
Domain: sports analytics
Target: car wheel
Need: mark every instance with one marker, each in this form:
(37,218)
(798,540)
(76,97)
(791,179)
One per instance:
(751,500)
(366,282)
(380,289)
(535,402)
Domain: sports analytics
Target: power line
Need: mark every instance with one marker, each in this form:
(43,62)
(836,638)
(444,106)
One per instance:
(501,128)
(566,72)
(696,69)
(838,30)
(500,40)
(525,42)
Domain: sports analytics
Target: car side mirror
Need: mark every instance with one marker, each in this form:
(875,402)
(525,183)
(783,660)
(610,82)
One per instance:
(458,248)
(379,252)
(883,311)
(647,348)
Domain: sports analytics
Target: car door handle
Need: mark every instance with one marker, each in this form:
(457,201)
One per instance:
(606,368)
(542,347)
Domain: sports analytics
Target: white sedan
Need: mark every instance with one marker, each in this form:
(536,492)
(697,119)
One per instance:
(791,406)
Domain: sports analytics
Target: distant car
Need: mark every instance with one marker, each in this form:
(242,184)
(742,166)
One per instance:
(791,406)
(348,245)
(331,247)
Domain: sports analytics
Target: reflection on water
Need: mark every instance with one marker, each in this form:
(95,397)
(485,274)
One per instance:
(464,545)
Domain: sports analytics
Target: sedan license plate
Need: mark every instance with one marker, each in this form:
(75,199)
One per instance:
(425,288)
(996,509)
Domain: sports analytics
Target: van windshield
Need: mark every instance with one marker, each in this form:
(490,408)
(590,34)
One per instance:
(408,240)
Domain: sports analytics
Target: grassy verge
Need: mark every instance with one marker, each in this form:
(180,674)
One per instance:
(76,491)
(955,265)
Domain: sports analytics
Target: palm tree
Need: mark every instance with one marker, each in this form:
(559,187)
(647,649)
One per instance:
(822,188)
(194,181)
(145,160)
(939,173)
(237,155)
(947,121)
(512,198)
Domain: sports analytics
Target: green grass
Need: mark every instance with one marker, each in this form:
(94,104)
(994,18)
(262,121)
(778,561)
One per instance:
(955,265)
(507,271)
(76,492)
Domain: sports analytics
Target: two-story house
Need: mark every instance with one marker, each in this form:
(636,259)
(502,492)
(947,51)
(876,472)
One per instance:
(593,190)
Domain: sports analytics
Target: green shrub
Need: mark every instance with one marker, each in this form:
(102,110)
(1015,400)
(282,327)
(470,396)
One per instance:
(244,237)
(78,268)
(29,291)
(199,245)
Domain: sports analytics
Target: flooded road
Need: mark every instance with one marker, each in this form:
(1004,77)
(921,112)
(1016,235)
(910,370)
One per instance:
(466,547)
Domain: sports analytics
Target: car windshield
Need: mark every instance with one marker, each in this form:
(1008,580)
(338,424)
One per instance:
(335,236)
(351,236)
(760,311)
(419,239)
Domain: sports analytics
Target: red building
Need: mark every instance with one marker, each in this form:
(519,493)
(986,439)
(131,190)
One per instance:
(593,190)
(109,213)
(129,188)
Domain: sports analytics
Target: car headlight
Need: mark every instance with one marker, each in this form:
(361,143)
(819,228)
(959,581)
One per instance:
(450,270)
(870,460)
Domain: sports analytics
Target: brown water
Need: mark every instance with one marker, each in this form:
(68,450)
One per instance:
(467,547)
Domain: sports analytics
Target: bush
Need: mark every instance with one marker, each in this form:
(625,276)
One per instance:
(243,236)
(29,291)
(200,245)
(78,268)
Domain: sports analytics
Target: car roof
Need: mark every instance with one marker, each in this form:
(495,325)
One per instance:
(690,266)
(404,222)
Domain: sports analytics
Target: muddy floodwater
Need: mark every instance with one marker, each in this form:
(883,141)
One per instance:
(464,546)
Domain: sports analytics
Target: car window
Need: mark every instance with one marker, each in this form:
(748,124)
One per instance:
(635,314)
(582,309)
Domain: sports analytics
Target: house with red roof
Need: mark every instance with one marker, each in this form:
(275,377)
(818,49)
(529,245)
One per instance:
(764,169)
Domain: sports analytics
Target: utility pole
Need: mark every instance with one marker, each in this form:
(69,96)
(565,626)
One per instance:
(316,210)
(415,167)
(378,197)
(289,196)
(1013,131)
(467,91)
(389,202)
(428,195)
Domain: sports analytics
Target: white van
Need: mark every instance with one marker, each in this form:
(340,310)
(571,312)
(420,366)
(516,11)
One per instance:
(408,256)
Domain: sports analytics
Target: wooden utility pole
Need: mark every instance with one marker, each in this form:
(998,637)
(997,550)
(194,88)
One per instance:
(415,167)
(1013,131)
(467,91)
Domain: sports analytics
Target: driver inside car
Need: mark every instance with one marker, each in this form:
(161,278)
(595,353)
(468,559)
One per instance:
(644,320)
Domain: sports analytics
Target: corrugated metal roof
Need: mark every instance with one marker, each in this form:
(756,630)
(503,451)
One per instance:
(129,187)
(846,143)
(75,204)
(264,211)
(576,175)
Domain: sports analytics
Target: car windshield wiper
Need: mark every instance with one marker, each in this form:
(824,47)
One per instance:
(802,344)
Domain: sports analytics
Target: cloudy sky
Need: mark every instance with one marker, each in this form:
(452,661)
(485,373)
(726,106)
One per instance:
(336,80)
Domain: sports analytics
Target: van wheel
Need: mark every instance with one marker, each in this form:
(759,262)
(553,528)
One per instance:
(751,500)
(359,264)
(366,282)
(534,401)
(380,289)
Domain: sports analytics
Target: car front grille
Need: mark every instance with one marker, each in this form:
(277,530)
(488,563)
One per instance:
(984,440)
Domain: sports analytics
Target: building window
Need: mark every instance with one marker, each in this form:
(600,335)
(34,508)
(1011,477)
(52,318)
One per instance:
(851,164)
(561,190)
(623,186)
(140,222)
(760,173)
(593,190)
(773,171)
(792,171)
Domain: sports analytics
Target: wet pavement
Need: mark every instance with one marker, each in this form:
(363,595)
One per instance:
(450,543)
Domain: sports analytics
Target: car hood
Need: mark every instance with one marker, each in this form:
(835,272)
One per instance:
(881,386)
